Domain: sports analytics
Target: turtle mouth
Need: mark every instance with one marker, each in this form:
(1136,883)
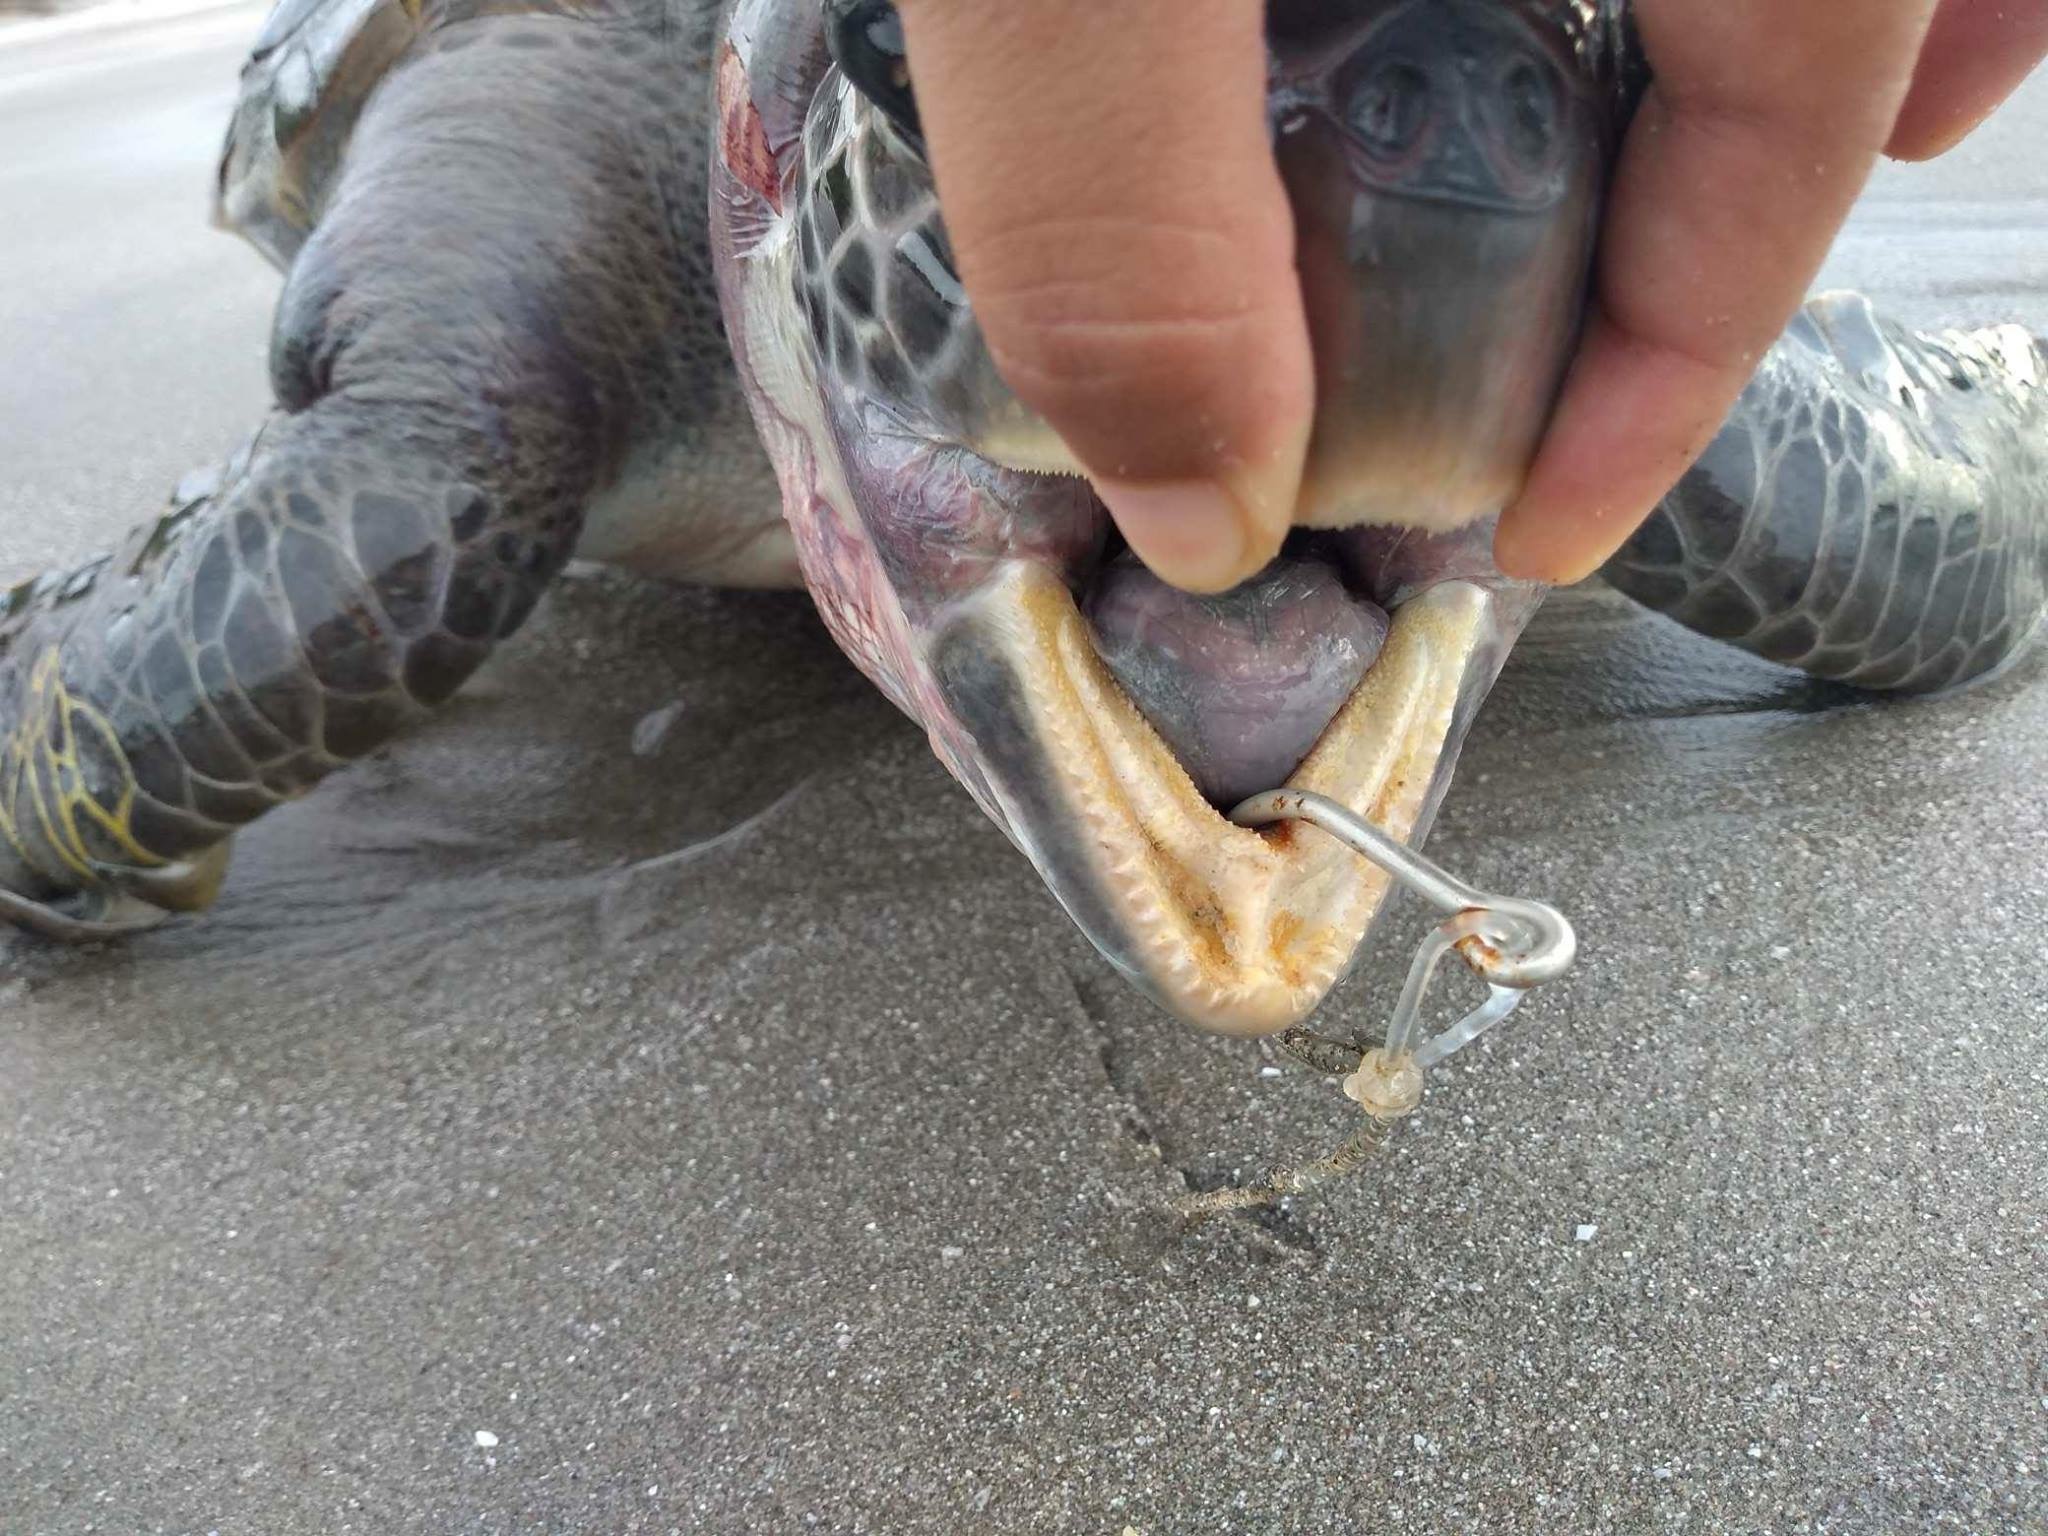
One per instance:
(1107,723)
(992,603)
(1122,800)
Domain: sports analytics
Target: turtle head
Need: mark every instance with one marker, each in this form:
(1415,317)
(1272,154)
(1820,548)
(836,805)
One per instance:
(312,67)
(1445,160)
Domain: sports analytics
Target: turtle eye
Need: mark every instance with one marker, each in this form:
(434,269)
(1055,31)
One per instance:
(866,39)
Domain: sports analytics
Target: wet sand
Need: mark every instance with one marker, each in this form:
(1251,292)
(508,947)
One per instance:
(653,1099)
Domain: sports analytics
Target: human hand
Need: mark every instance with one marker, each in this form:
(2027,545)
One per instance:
(1764,123)
(1122,228)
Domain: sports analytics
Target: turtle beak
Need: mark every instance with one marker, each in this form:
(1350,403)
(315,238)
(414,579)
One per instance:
(1235,931)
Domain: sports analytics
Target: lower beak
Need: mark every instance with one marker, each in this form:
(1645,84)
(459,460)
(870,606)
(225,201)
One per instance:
(1235,931)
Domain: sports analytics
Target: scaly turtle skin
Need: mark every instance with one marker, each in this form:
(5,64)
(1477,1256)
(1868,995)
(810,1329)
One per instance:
(499,345)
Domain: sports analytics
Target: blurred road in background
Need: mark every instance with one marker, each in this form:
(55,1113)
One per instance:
(131,331)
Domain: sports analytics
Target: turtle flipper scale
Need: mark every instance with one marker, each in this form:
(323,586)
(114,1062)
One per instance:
(464,354)
(1874,512)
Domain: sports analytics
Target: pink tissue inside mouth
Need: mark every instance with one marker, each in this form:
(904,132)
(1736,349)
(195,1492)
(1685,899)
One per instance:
(1242,685)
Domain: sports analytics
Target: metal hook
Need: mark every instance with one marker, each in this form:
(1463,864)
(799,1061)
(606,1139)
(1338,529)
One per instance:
(1512,943)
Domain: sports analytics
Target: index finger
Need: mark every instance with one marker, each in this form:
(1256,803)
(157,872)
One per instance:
(1764,122)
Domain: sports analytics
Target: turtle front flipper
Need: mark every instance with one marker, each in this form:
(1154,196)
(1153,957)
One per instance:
(51,816)
(485,326)
(356,567)
(1875,511)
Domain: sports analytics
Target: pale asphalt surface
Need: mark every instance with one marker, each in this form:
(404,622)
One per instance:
(810,1177)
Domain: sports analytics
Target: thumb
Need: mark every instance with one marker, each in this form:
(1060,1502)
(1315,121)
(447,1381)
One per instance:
(1124,236)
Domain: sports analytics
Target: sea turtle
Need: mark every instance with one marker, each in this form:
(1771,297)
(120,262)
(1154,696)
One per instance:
(525,242)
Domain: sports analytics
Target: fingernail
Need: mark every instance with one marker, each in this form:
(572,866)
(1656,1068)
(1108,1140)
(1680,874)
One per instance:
(1191,533)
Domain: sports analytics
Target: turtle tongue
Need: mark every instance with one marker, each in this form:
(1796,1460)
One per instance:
(1239,686)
